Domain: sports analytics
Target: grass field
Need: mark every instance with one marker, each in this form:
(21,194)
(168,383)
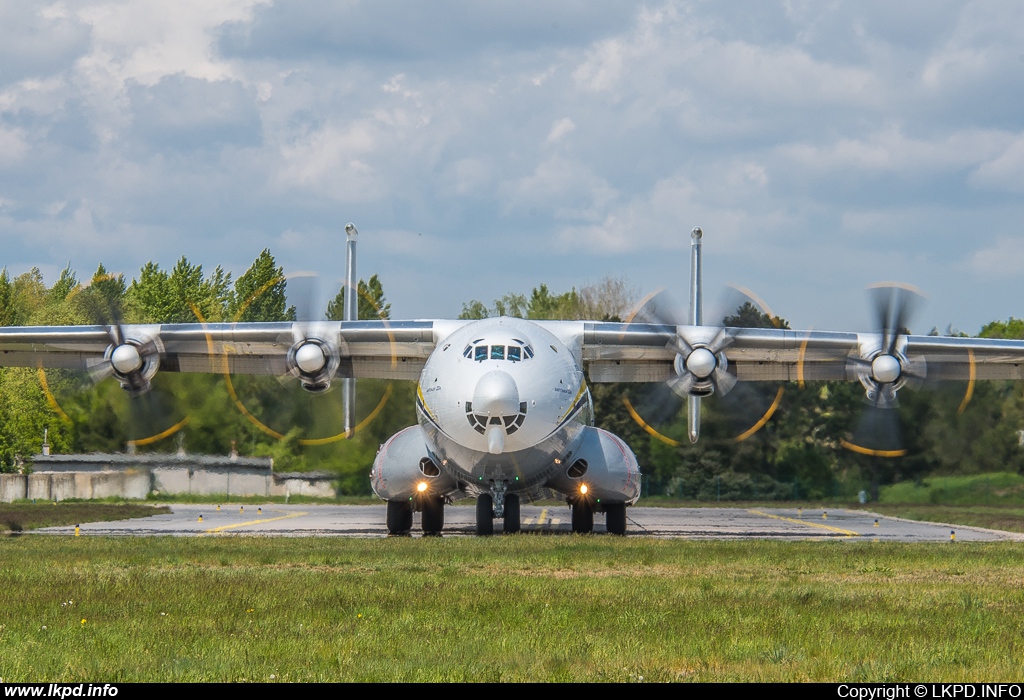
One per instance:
(18,517)
(561,608)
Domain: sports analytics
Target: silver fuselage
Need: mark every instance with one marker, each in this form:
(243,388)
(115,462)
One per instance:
(502,400)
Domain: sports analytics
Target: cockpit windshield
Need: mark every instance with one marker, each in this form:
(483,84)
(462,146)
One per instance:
(480,350)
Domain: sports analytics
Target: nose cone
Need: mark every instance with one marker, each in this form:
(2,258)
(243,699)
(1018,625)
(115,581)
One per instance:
(496,394)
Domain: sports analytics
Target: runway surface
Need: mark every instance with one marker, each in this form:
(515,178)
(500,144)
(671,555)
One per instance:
(692,523)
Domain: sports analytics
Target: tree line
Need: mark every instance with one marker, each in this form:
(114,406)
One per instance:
(798,453)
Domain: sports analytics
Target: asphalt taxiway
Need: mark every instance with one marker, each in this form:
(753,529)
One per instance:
(690,523)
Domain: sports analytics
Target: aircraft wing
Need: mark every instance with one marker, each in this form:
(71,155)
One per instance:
(638,352)
(368,349)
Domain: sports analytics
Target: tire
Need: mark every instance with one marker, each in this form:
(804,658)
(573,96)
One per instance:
(484,514)
(582,517)
(512,521)
(432,517)
(399,517)
(615,518)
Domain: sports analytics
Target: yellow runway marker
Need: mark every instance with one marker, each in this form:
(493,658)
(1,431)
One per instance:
(543,514)
(256,522)
(848,533)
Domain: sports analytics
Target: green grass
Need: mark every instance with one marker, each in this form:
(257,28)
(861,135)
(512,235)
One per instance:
(1009,518)
(507,608)
(24,515)
(999,489)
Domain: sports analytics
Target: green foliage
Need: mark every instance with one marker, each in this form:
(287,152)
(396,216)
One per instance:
(160,297)
(1014,328)
(372,304)
(473,310)
(797,454)
(259,293)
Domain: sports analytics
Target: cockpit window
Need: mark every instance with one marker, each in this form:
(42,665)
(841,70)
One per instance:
(479,350)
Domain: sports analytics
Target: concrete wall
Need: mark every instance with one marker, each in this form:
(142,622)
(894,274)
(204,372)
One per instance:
(13,487)
(283,486)
(138,483)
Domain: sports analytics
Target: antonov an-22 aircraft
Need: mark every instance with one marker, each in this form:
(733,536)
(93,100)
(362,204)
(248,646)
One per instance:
(504,411)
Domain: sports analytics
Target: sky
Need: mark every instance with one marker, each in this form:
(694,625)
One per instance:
(486,148)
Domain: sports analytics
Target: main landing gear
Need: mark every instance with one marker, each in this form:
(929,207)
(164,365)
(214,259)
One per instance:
(583,517)
(486,513)
(399,517)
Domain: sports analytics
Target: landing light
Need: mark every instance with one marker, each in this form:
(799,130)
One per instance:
(584,489)
(421,487)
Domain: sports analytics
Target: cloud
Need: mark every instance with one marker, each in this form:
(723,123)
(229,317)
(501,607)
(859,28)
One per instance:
(36,41)
(560,129)
(183,113)
(1004,258)
(1005,171)
(791,132)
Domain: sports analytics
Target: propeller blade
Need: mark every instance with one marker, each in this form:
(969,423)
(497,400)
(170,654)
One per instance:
(724,380)
(894,305)
(681,385)
(721,341)
(305,295)
(878,433)
(679,344)
(658,307)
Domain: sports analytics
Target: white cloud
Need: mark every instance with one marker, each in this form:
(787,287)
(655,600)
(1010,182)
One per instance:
(561,128)
(892,150)
(1003,258)
(1004,172)
(13,147)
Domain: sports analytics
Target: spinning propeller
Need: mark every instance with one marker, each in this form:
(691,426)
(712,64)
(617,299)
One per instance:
(883,368)
(133,360)
(701,368)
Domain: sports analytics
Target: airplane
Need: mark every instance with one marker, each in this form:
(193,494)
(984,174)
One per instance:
(503,406)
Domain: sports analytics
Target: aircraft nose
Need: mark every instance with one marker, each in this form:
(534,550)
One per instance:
(496,394)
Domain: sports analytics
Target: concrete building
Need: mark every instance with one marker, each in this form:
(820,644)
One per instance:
(59,477)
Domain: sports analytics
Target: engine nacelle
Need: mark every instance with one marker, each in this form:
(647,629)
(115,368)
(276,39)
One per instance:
(403,468)
(605,466)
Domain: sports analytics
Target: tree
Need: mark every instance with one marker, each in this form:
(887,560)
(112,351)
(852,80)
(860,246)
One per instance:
(471,311)
(259,294)
(160,297)
(372,304)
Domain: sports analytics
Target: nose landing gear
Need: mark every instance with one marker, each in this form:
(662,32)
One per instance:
(497,504)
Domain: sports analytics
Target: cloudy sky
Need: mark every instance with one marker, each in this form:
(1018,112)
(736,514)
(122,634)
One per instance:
(483,148)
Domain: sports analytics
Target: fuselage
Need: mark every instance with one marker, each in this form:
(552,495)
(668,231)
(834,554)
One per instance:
(502,400)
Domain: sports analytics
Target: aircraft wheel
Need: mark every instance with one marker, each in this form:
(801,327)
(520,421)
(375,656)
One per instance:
(511,513)
(484,514)
(615,518)
(432,517)
(399,517)
(582,517)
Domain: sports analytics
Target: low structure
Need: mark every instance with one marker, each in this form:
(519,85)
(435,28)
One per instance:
(59,477)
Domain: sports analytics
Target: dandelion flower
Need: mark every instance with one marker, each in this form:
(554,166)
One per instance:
(83,620)
(359,615)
